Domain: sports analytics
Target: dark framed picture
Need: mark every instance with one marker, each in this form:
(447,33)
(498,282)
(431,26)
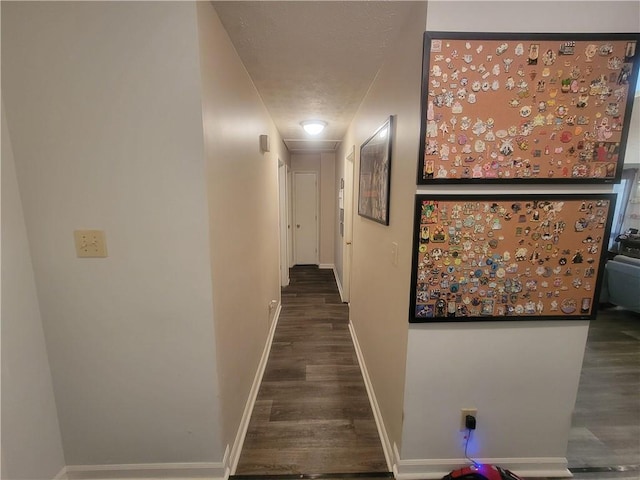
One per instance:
(375,174)
(508,257)
(526,108)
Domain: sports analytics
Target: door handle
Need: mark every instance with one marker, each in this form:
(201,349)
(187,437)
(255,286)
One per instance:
(298,226)
(348,243)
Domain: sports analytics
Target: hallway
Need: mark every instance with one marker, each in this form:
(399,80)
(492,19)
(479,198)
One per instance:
(312,415)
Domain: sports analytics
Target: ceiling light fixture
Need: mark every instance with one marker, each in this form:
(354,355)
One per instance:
(313,127)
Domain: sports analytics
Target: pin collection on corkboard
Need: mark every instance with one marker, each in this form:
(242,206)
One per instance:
(526,108)
(481,257)
(518,109)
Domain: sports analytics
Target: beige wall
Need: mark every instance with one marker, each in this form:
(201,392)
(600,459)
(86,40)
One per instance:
(632,153)
(242,186)
(323,164)
(379,298)
(103,108)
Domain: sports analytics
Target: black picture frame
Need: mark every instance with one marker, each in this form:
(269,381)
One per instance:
(375,174)
(516,81)
(508,257)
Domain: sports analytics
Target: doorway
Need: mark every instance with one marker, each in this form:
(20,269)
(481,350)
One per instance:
(285,226)
(305,213)
(347,242)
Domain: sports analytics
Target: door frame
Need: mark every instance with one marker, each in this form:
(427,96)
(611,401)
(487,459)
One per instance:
(317,214)
(347,240)
(290,217)
(283,218)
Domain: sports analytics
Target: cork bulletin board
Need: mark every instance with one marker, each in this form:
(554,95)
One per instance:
(508,257)
(526,108)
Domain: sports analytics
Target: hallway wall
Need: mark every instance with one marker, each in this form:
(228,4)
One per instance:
(514,373)
(29,416)
(104,113)
(242,187)
(379,298)
(527,373)
(632,153)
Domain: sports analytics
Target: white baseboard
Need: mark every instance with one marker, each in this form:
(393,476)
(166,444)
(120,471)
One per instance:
(427,469)
(335,274)
(326,266)
(382,431)
(174,471)
(201,470)
(253,393)
(62,474)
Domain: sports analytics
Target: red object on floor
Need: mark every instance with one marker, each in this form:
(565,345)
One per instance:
(481,472)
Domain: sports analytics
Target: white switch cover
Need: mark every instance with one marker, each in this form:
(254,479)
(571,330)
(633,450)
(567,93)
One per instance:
(394,253)
(90,243)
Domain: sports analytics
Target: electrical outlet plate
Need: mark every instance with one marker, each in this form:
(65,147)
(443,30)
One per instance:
(90,243)
(394,253)
(463,415)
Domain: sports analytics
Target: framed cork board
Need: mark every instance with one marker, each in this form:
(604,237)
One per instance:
(508,257)
(526,108)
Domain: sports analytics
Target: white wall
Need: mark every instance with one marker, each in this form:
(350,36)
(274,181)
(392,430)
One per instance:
(242,188)
(379,288)
(632,153)
(29,417)
(104,111)
(522,377)
(323,164)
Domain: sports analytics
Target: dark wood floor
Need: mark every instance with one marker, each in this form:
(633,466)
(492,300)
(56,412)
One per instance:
(606,421)
(312,413)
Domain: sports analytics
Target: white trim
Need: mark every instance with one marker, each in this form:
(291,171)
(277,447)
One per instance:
(200,470)
(331,266)
(225,462)
(253,393)
(335,274)
(427,469)
(62,474)
(382,431)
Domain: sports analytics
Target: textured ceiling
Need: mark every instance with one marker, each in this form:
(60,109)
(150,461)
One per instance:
(312,59)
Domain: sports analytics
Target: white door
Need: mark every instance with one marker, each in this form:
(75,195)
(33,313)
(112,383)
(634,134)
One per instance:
(283,214)
(305,212)
(347,242)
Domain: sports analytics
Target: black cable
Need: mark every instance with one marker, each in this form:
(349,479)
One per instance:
(465,449)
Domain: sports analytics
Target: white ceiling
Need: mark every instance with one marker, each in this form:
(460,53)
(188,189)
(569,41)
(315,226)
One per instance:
(312,59)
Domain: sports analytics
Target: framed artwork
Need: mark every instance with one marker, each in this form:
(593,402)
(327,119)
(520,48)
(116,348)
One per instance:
(508,257)
(526,108)
(375,174)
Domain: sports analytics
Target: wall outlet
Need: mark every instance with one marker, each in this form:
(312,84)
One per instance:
(90,243)
(273,304)
(463,416)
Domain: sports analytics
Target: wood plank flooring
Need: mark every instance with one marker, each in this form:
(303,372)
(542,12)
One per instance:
(312,413)
(606,421)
